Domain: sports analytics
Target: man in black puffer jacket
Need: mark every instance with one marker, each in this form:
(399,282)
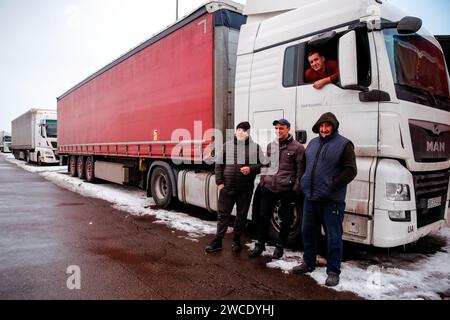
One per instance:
(237,165)
(280,182)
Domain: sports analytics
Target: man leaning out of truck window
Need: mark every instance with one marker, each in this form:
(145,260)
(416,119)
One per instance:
(322,71)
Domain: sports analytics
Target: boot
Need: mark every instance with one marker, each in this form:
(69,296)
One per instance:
(301,269)
(236,247)
(256,252)
(215,245)
(278,252)
(332,279)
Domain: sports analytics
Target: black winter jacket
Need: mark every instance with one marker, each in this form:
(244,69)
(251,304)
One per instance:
(233,156)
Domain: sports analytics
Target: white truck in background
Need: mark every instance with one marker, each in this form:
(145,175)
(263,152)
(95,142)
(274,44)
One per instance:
(5,141)
(34,137)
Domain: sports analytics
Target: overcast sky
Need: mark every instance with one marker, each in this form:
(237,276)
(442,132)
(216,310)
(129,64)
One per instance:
(48,46)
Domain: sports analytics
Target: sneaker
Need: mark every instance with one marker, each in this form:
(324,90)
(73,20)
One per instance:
(278,252)
(236,247)
(256,252)
(301,269)
(332,280)
(215,245)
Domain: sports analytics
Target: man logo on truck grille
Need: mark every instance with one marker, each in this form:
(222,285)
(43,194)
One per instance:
(435,146)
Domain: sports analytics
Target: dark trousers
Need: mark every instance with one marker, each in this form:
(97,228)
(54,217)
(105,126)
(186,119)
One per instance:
(269,201)
(330,215)
(227,200)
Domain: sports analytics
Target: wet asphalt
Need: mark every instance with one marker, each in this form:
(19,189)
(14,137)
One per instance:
(45,229)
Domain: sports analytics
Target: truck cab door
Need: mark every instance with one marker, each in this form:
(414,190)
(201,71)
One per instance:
(273,92)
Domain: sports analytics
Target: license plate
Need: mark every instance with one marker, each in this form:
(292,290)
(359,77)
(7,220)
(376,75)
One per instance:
(434,202)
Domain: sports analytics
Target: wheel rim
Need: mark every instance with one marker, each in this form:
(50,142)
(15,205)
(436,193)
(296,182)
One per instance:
(80,166)
(161,187)
(89,169)
(72,166)
(276,219)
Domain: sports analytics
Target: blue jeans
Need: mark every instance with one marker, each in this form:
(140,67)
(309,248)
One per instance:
(330,215)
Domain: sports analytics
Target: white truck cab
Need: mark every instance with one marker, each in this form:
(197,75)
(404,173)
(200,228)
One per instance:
(392,101)
(34,137)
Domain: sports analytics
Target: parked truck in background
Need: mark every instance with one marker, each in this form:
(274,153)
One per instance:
(34,137)
(147,118)
(5,141)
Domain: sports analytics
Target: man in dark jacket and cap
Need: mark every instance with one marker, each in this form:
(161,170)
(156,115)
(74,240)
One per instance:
(330,165)
(279,183)
(237,164)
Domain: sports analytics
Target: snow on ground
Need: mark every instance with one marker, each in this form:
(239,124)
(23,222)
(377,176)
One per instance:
(373,275)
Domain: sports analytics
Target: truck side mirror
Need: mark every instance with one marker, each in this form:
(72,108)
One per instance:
(348,60)
(409,25)
(406,25)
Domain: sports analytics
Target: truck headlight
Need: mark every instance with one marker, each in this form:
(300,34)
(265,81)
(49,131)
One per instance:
(397,192)
(400,216)
(48,153)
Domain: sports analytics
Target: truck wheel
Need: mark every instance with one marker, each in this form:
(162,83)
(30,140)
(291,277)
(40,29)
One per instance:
(39,161)
(73,166)
(161,187)
(80,167)
(89,170)
(295,233)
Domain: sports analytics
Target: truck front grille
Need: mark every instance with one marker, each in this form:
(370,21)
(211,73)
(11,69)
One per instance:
(429,186)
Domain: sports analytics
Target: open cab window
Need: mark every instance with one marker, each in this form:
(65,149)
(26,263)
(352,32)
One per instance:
(296,61)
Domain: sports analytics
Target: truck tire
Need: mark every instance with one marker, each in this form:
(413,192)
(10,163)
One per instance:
(39,161)
(89,170)
(295,233)
(161,187)
(80,168)
(73,166)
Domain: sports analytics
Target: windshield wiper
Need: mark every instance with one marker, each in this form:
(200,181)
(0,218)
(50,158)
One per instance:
(422,91)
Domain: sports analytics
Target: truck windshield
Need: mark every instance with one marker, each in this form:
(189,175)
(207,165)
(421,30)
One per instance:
(418,68)
(51,128)
(7,138)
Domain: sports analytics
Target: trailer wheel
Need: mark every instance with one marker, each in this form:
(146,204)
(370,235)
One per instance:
(89,170)
(161,187)
(73,166)
(80,167)
(295,232)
